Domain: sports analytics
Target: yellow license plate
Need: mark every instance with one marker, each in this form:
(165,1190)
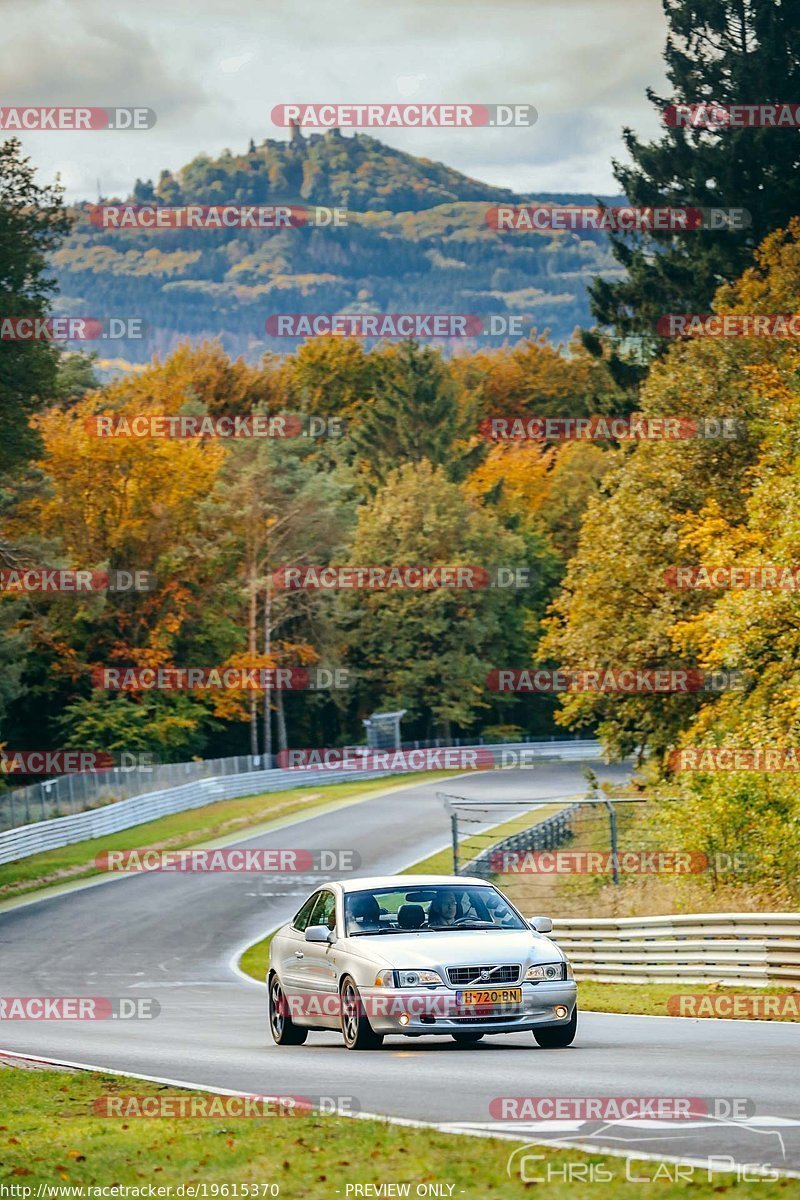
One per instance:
(489,996)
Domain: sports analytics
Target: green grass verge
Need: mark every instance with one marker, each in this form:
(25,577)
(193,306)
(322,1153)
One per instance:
(51,1136)
(255,959)
(197,825)
(650,999)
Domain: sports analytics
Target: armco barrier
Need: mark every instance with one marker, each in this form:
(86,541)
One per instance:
(66,795)
(124,814)
(734,949)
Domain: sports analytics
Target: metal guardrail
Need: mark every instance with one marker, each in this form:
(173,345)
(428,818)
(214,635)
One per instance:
(25,840)
(69,794)
(734,949)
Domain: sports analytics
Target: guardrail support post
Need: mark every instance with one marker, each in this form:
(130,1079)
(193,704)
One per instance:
(454,829)
(612,820)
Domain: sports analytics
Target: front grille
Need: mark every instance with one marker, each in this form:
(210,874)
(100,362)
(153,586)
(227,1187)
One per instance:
(468,976)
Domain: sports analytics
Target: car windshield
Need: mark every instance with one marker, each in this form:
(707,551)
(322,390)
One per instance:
(428,910)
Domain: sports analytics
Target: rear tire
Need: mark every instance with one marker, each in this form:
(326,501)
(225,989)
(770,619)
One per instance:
(558,1036)
(357,1032)
(281,1026)
(466,1039)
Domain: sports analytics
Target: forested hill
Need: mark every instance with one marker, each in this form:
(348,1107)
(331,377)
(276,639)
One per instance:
(356,171)
(416,241)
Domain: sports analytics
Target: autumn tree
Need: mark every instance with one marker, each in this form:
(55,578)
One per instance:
(118,504)
(271,507)
(429,651)
(616,607)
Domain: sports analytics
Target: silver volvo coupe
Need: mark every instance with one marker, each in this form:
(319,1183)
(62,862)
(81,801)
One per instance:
(417,955)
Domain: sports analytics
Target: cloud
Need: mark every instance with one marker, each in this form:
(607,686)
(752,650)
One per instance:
(584,66)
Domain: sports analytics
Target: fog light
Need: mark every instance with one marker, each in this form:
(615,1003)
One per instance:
(559,1010)
(404,1018)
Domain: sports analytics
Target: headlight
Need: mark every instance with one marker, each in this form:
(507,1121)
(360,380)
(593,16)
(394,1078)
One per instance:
(544,971)
(407,978)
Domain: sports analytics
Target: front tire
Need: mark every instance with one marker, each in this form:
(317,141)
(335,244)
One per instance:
(281,1026)
(466,1039)
(357,1032)
(558,1036)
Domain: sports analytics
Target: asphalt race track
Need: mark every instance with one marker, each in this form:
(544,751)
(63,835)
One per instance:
(174,937)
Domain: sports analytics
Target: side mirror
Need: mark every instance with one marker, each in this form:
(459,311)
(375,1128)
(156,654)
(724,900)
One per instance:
(319,933)
(541,924)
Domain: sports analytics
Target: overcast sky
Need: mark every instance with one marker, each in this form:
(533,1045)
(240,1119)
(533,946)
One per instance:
(213,73)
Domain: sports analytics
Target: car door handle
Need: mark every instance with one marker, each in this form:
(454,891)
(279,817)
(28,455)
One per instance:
(298,953)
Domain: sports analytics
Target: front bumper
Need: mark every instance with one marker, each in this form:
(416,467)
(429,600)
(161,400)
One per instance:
(430,1010)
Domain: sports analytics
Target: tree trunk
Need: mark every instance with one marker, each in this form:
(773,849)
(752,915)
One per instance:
(281,719)
(251,647)
(268,688)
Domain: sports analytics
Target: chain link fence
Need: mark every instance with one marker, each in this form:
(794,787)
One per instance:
(577,855)
(68,794)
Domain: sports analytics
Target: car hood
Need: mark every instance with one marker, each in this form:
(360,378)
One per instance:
(468,948)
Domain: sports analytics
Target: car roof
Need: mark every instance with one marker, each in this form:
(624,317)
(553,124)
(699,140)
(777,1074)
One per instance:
(407,881)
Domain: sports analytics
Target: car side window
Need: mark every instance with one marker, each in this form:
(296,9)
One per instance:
(324,910)
(301,920)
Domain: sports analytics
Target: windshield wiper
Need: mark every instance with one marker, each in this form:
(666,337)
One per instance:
(376,932)
(471,925)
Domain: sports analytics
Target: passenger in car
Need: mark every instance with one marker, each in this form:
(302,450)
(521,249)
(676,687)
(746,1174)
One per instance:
(443,909)
(363,913)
